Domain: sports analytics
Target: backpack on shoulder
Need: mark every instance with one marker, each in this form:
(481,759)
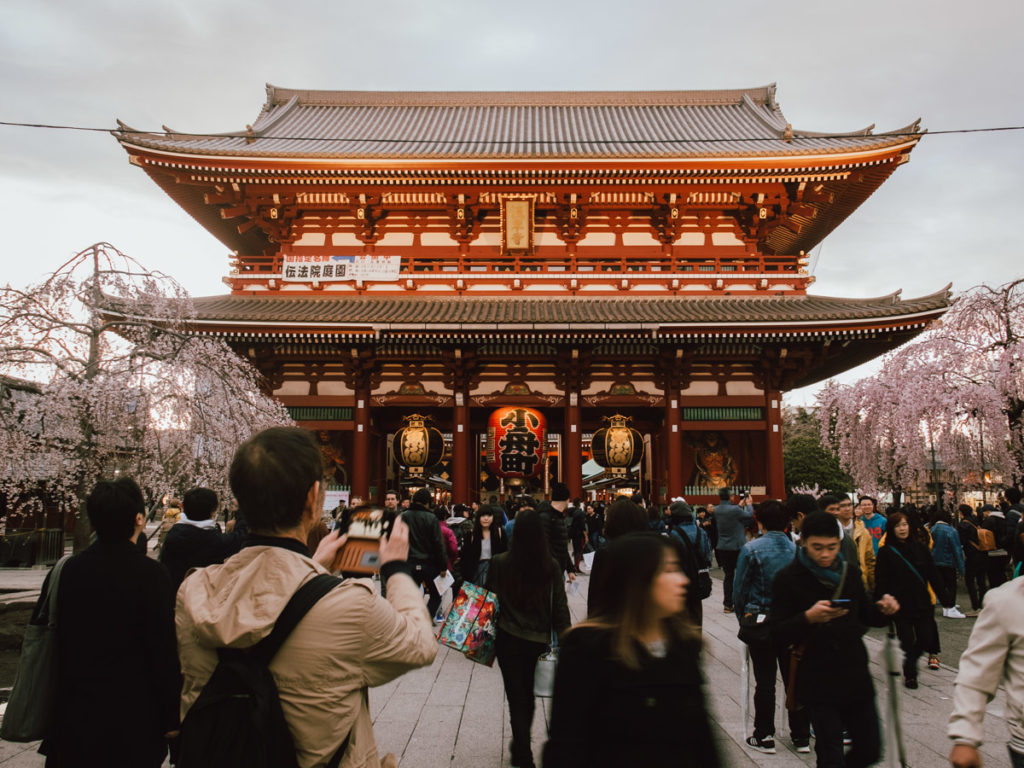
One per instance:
(986,539)
(699,571)
(237,720)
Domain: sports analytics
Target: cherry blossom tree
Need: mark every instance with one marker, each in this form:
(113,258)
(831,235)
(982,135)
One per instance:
(953,399)
(126,386)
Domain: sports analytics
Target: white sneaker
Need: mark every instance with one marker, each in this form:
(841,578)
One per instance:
(953,613)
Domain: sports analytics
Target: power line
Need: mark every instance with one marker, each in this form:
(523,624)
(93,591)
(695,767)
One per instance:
(541,142)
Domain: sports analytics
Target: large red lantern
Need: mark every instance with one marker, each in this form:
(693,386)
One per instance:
(516,443)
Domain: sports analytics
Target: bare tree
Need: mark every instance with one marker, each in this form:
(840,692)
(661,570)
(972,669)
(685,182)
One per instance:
(126,385)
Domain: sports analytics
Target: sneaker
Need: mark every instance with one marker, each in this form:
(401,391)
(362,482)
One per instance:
(727,609)
(847,740)
(910,682)
(933,662)
(973,613)
(765,745)
(803,746)
(953,613)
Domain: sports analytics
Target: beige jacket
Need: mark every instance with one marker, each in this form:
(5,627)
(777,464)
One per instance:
(994,656)
(350,640)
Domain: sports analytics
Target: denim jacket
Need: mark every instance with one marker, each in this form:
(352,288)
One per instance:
(947,551)
(760,560)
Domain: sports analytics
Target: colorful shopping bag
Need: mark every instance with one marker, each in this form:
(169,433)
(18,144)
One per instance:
(470,626)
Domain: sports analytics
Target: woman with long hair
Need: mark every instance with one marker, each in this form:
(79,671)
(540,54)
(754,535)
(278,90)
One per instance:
(628,689)
(904,569)
(623,516)
(531,604)
(487,540)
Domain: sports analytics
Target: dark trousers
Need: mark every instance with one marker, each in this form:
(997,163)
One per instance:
(860,718)
(997,570)
(577,550)
(976,576)
(948,576)
(424,575)
(727,559)
(917,635)
(517,659)
(765,659)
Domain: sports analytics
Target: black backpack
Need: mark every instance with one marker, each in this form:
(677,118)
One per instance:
(237,719)
(693,565)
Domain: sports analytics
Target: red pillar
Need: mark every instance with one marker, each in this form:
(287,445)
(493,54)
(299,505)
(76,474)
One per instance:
(773,444)
(361,444)
(462,467)
(572,445)
(673,444)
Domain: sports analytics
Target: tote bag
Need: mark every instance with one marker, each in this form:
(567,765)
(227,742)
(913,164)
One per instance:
(471,624)
(34,697)
(544,672)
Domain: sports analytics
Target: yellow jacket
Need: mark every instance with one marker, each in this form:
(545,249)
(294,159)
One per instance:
(865,554)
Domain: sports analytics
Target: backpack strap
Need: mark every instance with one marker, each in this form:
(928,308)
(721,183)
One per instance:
(298,606)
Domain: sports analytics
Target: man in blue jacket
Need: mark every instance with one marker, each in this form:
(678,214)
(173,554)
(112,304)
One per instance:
(732,522)
(759,562)
(948,554)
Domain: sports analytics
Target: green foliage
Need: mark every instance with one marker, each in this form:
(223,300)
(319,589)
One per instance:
(808,462)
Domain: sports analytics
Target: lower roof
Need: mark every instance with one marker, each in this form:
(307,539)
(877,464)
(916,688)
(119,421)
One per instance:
(467,313)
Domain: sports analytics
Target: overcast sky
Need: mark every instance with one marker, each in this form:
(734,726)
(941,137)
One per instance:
(950,215)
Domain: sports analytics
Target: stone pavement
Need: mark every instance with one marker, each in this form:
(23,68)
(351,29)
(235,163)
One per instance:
(453,714)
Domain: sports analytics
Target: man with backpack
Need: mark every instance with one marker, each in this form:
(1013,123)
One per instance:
(975,557)
(1002,536)
(274,606)
(695,556)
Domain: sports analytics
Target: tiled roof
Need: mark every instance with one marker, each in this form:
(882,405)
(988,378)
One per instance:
(468,125)
(469,313)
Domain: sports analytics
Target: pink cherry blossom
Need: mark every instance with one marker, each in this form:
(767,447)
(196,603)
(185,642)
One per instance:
(126,386)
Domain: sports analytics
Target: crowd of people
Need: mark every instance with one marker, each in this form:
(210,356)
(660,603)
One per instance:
(141,639)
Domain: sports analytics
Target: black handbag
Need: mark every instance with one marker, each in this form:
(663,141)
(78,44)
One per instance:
(30,709)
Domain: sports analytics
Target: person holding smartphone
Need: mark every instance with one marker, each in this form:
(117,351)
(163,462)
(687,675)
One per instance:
(821,611)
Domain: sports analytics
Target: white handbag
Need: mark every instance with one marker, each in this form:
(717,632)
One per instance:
(544,673)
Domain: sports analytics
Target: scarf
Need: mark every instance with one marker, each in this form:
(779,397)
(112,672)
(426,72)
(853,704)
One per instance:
(206,524)
(828,576)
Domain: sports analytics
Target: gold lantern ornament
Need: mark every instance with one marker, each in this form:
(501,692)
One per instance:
(417,445)
(617,447)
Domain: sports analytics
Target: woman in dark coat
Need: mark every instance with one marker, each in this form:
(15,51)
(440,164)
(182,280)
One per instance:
(629,689)
(117,663)
(904,568)
(532,605)
(487,540)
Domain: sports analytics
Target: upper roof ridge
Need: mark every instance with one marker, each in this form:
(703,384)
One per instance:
(276,96)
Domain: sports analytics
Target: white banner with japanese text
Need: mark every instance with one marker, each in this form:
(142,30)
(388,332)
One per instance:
(305,268)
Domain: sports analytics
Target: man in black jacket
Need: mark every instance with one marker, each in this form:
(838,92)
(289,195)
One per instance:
(118,679)
(426,546)
(819,605)
(552,518)
(998,558)
(195,541)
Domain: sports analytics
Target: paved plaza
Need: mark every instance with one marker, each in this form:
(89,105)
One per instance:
(453,713)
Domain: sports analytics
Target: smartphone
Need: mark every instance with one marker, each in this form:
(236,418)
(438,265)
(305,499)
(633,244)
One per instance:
(842,602)
(361,553)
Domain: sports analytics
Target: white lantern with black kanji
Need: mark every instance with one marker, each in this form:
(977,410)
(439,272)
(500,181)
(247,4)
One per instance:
(617,447)
(417,445)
